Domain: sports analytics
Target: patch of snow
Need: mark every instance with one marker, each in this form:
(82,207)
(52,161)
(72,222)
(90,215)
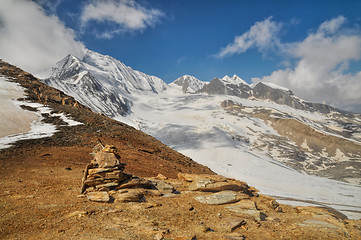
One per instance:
(340,156)
(13,119)
(11,115)
(305,146)
(275,86)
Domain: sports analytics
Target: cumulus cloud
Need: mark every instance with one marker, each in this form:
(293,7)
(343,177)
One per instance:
(33,40)
(125,16)
(322,60)
(262,35)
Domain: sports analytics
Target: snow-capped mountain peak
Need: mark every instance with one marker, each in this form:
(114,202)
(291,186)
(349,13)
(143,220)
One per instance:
(189,84)
(102,82)
(233,80)
(239,80)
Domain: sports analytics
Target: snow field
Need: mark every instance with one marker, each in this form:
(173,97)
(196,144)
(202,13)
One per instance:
(196,126)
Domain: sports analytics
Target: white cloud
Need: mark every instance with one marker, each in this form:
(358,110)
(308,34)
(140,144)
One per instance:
(262,35)
(33,40)
(127,15)
(322,60)
(331,26)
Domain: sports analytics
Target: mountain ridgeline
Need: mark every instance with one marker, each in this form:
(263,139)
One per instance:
(107,86)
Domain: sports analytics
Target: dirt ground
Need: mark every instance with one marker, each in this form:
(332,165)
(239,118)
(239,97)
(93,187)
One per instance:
(40,199)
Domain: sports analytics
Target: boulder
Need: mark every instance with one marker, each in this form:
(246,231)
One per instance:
(219,198)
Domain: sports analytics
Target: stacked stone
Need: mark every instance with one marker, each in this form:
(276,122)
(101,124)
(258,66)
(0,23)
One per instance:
(105,172)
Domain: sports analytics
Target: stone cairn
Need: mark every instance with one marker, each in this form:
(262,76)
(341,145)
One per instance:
(105,172)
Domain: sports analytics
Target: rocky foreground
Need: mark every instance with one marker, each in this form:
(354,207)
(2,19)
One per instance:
(165,195)
(44,202)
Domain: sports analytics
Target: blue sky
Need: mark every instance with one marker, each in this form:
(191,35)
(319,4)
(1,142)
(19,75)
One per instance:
(187,36)
(256,40)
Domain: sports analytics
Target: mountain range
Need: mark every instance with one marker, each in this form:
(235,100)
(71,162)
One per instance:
(51,135)
(227,124)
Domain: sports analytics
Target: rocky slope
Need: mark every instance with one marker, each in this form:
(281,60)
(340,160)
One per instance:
(325,146)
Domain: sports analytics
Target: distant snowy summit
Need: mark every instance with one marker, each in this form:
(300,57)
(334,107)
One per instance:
(233,80)
(101,82)
(189,84)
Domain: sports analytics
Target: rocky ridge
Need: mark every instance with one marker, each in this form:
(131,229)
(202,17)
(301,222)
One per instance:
(311,147)
(262,91)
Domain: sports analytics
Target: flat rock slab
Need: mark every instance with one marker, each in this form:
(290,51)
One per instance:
(98,196)
(137,183)
(231,224)
(317,224)
(241,206)
(206,185)
(218,198)
(107,185)
(131,195)
(193,177)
